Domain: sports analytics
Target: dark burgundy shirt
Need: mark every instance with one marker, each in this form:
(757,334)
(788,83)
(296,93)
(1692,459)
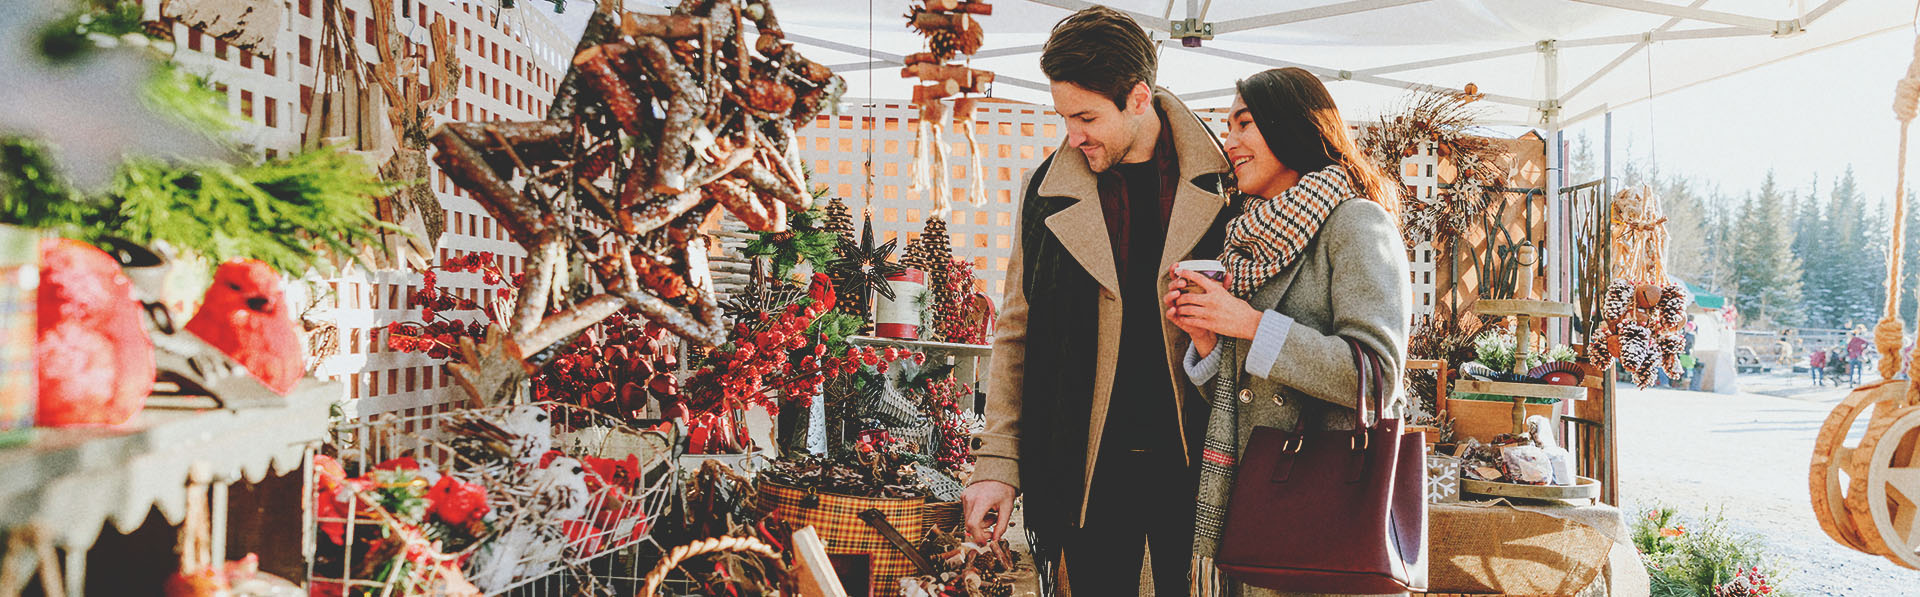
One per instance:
(1138,200)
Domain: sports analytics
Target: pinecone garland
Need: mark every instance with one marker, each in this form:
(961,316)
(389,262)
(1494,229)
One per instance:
(1618,301)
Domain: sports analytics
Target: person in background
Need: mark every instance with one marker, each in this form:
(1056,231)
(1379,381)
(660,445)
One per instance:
(1856,353)
(1836,365)
(1817,366)
(1691,363)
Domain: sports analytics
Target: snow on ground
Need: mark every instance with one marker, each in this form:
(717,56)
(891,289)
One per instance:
(1746,455)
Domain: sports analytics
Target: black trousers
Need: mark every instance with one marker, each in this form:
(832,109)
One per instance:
(1139,498)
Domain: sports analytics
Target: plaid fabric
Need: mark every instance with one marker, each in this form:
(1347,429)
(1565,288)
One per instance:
(1266,239)
(837,519)
(1218,455)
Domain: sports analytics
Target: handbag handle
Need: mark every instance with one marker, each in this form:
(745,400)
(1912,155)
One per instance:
(1372,374)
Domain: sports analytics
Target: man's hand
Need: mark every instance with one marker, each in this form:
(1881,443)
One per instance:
(981,498)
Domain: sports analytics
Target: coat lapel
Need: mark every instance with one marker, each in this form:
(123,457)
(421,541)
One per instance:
(1081,227)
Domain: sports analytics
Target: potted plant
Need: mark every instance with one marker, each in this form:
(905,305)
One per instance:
(1484,416)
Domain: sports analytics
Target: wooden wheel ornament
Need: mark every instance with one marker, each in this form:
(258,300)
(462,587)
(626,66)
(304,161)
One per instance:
(1882,495)
(1832,457)
(1888,495)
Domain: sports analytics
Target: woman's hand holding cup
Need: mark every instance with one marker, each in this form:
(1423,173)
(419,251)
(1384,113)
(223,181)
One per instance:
(1201,305)
(1204,339)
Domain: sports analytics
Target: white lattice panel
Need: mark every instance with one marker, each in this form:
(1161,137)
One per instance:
(510,63)
(1014,137)
(1420,264)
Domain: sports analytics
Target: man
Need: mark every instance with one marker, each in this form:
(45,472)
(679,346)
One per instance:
(1089,413)
(1856,353)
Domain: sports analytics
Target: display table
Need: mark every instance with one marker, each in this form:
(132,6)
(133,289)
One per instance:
(1535,548)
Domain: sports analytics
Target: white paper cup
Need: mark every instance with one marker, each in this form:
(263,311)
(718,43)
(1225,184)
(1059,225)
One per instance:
(1210,268)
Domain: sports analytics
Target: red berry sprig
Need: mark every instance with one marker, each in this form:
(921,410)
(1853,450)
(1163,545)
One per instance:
(435,333)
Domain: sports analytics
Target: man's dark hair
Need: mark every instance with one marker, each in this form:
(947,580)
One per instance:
(1101,50)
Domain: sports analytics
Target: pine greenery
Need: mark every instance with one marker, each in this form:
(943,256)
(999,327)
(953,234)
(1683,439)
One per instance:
(293,212)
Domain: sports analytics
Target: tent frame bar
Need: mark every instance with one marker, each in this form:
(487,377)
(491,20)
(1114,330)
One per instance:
(1778,28)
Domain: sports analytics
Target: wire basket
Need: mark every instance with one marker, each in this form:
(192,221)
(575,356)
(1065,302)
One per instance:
(564,485)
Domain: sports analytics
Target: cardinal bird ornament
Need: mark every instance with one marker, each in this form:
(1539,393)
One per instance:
(245,316)
(93,358)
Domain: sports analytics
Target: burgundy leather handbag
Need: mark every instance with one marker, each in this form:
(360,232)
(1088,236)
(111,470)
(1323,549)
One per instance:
(1341,512)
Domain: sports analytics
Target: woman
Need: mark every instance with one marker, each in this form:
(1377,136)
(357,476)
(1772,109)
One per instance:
(1315,259)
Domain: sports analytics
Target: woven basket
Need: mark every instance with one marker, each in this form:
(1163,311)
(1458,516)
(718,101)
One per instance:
(944,516)
(837,519)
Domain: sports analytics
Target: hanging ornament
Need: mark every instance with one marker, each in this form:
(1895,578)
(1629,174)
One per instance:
(950,30)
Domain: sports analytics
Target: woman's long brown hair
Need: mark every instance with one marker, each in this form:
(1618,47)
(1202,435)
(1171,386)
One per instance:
(1304,130)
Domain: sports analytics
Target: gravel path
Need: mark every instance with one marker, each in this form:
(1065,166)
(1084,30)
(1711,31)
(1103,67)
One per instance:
(1747,455)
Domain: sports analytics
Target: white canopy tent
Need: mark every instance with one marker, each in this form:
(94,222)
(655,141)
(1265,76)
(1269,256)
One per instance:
(1540,63)
(1543,64)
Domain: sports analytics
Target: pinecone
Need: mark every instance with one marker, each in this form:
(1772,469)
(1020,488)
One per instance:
(839,220)
(937,248)
(1671,346)
(916,256)
(1600,346)
(1618,301)
(1673,306)
(1638,353)
(943,44)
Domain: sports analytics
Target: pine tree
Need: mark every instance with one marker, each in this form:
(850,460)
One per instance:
(1766,274)
(1687,255)
(1813,246)
(1860,271)
(1584,164)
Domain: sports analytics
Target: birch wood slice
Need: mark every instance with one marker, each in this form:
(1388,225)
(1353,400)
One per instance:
(1828,479)
(1892,487)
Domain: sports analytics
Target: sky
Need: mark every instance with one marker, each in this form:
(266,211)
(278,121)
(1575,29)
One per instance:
(1807,118)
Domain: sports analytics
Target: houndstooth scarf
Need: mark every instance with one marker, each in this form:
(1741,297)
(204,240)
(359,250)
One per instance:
(1261,243)
(1266,239)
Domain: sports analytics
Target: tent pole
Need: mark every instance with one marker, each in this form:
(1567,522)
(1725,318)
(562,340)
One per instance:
(1556,249)
(1555,242)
